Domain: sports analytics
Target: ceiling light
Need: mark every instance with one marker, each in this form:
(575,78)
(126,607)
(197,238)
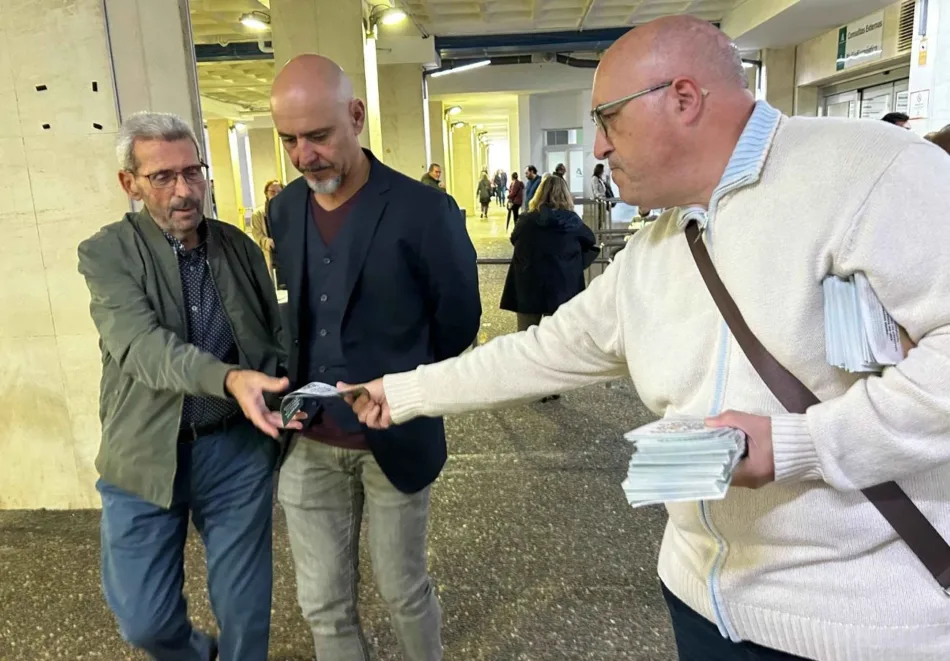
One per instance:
(453,110)
(464,67)
(458,125)
(238,126)
(392,16)
(256,20)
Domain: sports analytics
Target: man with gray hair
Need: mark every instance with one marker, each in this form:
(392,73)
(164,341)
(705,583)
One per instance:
(188,324)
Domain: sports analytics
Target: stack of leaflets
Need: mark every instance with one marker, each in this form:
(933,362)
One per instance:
(681,459)
(860,336)
(292,403)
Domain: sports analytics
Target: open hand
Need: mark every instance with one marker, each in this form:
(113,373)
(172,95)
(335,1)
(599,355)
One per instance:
(758,468)
(369,403)
(248,388)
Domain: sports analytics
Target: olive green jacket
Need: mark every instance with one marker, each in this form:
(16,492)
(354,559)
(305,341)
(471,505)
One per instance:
(147,364)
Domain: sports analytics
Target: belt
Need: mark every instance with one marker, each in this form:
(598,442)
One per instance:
(193,432)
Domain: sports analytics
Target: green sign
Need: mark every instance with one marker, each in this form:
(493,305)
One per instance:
(842,47)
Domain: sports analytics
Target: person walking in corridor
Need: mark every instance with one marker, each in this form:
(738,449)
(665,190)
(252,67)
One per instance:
(515,199)
(484,194)
(260,225)
(796,561)
(189,331)
(381,275)
(531,182)
(433,177)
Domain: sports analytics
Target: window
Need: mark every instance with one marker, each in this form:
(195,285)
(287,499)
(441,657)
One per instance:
(563,137)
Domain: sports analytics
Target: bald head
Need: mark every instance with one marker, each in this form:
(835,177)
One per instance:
(677,46)
(670,99)
(311,76)
(319,120)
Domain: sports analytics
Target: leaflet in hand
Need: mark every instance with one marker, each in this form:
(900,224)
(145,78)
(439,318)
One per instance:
(860,335)
(681,459)
(292,403)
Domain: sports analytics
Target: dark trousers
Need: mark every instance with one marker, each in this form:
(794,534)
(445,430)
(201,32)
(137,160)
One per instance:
(514,209)
(698,639)
(225,483)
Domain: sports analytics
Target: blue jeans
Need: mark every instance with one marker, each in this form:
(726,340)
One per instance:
(698,639)
(224,482)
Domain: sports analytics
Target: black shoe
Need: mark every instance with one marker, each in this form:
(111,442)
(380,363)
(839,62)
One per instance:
(214,652)
(550,398)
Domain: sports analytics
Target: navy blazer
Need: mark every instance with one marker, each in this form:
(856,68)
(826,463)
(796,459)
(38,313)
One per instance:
(412,299)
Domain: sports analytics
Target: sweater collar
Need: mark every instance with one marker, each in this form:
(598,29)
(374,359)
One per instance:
(746,163)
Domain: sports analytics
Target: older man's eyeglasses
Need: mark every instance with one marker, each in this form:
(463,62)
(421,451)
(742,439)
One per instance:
(604,111)
(194,174)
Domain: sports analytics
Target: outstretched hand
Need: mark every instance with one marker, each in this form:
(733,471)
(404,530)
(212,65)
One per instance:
(369,403)
(248,388)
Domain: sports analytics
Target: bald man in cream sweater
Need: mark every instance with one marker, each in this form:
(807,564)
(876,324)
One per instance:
(798,564)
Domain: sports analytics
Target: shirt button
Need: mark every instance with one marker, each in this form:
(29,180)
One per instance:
(323,332)
(194,308)
(327,260)
(322,369)
(323,298)
(296,343)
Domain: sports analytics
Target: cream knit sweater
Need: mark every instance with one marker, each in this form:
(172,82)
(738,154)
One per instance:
(806,564)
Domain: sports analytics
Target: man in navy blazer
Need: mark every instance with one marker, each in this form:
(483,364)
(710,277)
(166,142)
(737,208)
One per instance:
(381,277)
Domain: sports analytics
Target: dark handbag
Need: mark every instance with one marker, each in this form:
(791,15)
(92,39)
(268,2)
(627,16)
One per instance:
(890,500)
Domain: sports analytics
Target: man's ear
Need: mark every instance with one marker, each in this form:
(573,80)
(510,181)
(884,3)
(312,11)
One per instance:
(358,115)
(689,98)
(127,180)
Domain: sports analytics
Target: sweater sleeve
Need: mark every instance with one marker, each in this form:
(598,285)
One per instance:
(897,424)
(579,345)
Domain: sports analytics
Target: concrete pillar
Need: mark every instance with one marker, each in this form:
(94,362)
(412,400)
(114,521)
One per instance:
(463,168)
(225,172)
(333,29)
(779,66)
(403,124)
(929,87)
(265,160)
(436,134)
(58,163)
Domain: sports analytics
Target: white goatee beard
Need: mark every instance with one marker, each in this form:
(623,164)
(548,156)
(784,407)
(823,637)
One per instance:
(328,187)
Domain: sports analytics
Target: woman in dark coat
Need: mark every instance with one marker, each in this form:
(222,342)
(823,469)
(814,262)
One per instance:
(515,198)
(552,248)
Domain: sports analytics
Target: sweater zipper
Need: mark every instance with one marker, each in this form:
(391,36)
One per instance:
(726,630)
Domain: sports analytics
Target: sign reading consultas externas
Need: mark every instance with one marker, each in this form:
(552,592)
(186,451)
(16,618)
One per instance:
(861,41)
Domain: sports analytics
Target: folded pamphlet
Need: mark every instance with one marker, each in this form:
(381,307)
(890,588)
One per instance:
(860,335)
(681,459)
(290,404)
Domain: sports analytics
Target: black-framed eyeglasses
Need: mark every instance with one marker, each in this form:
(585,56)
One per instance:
(193,174)
(598,115)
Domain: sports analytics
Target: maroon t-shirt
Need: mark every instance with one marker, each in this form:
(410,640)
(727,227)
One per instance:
(329,224)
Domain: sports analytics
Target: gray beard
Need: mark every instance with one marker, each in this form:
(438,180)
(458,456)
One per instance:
(328,187)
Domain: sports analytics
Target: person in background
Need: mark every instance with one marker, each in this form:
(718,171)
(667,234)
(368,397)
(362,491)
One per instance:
(500,185)
(553,246)
(260,225)
(940,138)
(190,331)
(380,273)
(897,119)
(531,183)
(532,204)
(795,562)
(484,193)
(598,187)
(515,199)
(560,170)
(433,178)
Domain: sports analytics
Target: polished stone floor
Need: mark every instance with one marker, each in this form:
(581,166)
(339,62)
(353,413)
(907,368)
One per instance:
(536,555)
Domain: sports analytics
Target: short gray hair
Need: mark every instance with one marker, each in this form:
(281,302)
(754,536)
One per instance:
(150,126)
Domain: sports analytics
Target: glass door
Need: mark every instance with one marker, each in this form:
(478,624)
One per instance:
(841,105)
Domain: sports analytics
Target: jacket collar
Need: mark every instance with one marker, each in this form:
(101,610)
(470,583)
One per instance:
(746,163)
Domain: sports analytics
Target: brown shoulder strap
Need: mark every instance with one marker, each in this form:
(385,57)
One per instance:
(890,500)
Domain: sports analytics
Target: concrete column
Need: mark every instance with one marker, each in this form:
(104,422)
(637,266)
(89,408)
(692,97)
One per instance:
(403,124)
(58,163)
(929,87)
(225,172)
(333,29)
(436,134)
(463,174)
(265,160)
(779,66)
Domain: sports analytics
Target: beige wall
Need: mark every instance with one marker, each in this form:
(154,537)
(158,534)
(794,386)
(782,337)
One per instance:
(264,160)
(436,131)
(403,128)
(779,64)
(463,170)
(816,58)
(57,187)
